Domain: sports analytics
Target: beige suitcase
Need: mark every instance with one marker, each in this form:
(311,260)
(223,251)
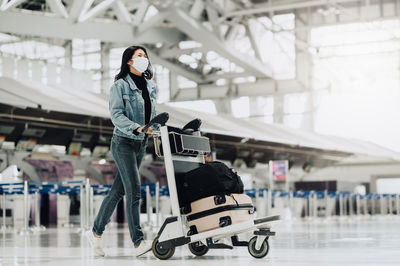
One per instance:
(219,211)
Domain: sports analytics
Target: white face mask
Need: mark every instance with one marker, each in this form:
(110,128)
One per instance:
(140,63)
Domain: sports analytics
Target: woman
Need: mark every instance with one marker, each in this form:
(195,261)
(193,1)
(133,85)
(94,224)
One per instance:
(132,105)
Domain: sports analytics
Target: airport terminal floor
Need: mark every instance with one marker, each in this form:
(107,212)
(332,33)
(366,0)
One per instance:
(347,241)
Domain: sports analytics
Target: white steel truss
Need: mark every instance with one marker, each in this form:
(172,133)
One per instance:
(211,23)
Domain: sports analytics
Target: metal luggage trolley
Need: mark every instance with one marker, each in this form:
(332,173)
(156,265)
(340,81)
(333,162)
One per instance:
(187,153)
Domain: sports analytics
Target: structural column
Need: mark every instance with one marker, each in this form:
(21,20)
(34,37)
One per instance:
(68,54)
(105,68)
(278,108)
(304,65)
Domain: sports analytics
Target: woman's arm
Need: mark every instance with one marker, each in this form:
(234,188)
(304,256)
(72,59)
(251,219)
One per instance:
(117,111)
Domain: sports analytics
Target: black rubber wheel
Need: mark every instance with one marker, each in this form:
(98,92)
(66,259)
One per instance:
(197,248)
(262,252)
(162,254)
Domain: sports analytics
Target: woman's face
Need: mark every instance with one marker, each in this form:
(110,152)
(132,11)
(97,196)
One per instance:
(138,53)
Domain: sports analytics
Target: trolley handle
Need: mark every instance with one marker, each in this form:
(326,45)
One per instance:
(158,119)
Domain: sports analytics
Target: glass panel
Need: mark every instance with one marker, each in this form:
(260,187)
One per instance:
(356,80)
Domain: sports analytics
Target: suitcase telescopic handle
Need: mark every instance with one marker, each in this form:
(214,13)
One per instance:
(158,119)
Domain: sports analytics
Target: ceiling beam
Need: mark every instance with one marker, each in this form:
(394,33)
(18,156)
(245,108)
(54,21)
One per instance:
(175,68)
(225,75)
(57,7)
(282,6)
(197,32)
(197,9)
(252,34)
(176,52)
(78,7)
(10,22)
(122,12)
(140,13)
(265,87)
(88,14)
(154,21)
(10,4)
(213,19)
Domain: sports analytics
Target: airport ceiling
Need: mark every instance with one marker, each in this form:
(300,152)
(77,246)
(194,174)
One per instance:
(162,25)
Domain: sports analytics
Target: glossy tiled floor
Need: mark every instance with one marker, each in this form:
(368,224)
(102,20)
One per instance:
(336,242)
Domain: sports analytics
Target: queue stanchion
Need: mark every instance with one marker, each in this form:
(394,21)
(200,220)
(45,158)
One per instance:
(25,230)
(269,202)
(377,204)
(37,209)
(91,206)
(365,205)
(291,204)
(340,204)
(305,204)
(390,202)
(157,204)
(148,199)
(82,209)
(312,204)
(87,203)
(362,205)
(351,208)
(358,207)
(3,206)
(326,202)
(257,200)
(315,204)
(368,204)
(37,226)
(309,204)
(264,200)
(372,204)
(382,204)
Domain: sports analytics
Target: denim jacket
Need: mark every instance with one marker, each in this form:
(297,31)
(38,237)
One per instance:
(127,107)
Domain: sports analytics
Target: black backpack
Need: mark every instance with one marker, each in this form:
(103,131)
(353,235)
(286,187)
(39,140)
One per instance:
(213,178)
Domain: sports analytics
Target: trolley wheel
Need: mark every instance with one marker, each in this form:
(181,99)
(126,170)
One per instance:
(197,248)
(262,252)
(162,254)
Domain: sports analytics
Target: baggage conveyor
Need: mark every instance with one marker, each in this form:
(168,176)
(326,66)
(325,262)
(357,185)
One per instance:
(184,156)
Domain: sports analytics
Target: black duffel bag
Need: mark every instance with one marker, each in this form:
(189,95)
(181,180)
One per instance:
(213,178)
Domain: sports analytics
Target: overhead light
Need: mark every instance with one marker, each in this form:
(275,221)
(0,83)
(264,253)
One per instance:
(307,167)
(237,163)
(220,82)
(243,153)
(257,155)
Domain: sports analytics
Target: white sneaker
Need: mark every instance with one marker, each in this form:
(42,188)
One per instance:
(144,246)
(95,243)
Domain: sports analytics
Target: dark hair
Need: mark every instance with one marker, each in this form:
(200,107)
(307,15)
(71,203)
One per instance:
(126,56)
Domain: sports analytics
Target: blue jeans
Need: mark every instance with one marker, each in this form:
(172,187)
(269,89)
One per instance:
(128,154)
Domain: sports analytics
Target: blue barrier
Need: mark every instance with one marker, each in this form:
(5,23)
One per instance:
(250,192)
(301,194)
(11,184)
(73,187)
(164,191)
(152,188)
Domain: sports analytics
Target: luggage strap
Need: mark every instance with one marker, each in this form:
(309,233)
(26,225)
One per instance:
(202,214)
